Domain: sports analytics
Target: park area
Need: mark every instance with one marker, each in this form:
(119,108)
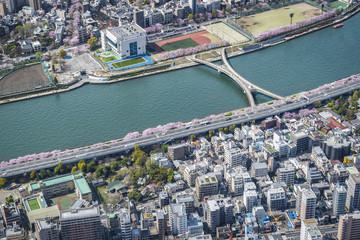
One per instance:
(264,21)
(64,202)
(115,63)
(24,79)
(226,33)
(185,41)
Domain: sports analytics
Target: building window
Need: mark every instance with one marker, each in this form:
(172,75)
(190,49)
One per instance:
(133,48)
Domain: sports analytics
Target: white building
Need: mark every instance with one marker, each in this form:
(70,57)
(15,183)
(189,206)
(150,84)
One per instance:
(125,224)
(339,200)
(126,40)
(178,218)
(250,200)
(276,198)
(234,157)
(286,175)
(308,204)
(309,230)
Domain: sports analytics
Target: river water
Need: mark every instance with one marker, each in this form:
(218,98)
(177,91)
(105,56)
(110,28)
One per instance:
(96,113)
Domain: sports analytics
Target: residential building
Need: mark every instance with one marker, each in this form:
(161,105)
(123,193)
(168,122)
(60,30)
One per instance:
(188,200)
(82,223)
(235,157)
(299,189)
(139,18)
(237,184)
(309,230)
(206,185)
(127,40)
(146,220)
(163,199)
(125,224)
(178,218)
(339,200)
(46,229)
(193,6)
(349,227)
(276,198)
(83,34)
(250,200)
(195,225)
(35,4)
(161,224)
(336,147)
(3,10)
(10,214)
(259,169)
(178,151)
(302,141)
(286,175)
(353,192)
(218,213)
(308,204)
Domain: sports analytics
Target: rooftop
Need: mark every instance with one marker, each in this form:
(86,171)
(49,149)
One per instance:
(79,213)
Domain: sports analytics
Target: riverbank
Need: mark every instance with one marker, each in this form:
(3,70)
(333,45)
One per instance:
(171,68)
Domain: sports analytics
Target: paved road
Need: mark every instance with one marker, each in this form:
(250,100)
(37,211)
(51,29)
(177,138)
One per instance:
(259,112)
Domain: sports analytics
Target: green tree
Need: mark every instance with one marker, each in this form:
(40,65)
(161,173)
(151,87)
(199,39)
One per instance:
(33,174)
(192,137)
(9,199)
(82,165)
(90,167)
(211,133)
(226,130)
(43,174)
(221,130)
(170,175)
(93,42)
(114,166)
(196,15)
(2,182)
(228,9)
(190,16)
(74,169)
(214,13)
(136,195)
(60,169)
(54,60)
(62,53)
(317,104)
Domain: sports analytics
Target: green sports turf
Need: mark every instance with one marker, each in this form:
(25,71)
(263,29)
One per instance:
(184,43)
(129,62)
(34,204)
(109,59)
(66,203)
(338,4)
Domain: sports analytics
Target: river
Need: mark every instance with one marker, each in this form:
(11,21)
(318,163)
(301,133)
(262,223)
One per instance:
(96,113)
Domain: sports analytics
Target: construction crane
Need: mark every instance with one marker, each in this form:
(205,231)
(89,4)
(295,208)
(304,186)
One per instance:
(275,218)
(182,234)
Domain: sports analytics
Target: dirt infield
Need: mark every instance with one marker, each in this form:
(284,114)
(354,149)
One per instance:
(58,201)
(24,79)
(199,37)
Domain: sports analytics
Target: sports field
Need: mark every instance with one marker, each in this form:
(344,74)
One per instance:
(185,41)
(129,62)
(64,202)
(226,33)
(262,22)
(34,204)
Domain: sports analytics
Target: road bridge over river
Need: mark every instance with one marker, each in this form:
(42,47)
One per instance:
(247,86)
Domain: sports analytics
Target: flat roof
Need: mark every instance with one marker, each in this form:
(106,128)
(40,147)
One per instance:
(82,185)
(52,211)
(79,213)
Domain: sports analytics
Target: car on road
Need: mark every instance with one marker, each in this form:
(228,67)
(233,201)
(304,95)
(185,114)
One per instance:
(228,118)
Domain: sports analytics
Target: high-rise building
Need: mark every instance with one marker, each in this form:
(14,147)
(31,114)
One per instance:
(206,185)
(299,188)
(336,147)
(234,157)
(161,224)
(250,199)
(349,227)
(353,192)
(2,8)
(46,229)
(178,151)
(178,218)
(193,6)
(302,141)
(276,198)
(82,223)
(339,200)
(309,230)
(125,224)
(286,175)
(188,200)
(35,4)
(237,184)
(308,204)
(139,18)
(163,199)
(217,213)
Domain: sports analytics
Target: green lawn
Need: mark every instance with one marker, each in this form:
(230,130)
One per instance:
(109,59)
(65,203)
(34,204)
(264,21)
(338,4)
(129,62)
(185,43)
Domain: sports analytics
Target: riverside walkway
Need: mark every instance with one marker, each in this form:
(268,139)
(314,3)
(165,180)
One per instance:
(247,86)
